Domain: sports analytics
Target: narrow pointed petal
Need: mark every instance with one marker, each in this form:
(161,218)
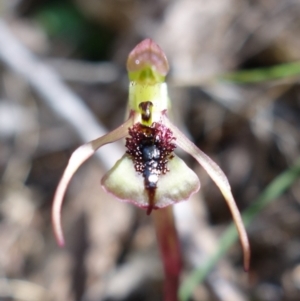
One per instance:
(79,156)
(221,181)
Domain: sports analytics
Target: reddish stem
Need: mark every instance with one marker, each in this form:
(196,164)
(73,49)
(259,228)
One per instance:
(170,250)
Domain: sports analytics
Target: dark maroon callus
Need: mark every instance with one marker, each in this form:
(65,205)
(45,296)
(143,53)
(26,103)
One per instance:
(148,54)
(150,149)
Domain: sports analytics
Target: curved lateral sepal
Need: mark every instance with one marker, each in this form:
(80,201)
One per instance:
(79,156)
(221,181)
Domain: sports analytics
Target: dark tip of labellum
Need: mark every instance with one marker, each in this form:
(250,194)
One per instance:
(151,193)
(145,54)
(149,209)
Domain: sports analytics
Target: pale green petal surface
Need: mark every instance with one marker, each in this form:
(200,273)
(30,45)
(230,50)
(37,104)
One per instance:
(127,185)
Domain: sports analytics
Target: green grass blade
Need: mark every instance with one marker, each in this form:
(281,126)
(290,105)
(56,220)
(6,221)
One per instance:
(263,74)
(276,188)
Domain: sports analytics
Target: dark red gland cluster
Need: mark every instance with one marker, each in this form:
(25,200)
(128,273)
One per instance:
(150,149)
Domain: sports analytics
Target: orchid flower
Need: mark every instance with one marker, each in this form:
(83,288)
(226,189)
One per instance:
(149,174)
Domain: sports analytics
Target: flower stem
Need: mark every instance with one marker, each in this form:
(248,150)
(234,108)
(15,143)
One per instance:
(168,242)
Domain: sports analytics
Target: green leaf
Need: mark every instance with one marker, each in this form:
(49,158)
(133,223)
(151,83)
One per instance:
(276,188)
(263,74)
(68,26)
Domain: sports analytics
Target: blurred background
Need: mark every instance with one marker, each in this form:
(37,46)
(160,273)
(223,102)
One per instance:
(248,121)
